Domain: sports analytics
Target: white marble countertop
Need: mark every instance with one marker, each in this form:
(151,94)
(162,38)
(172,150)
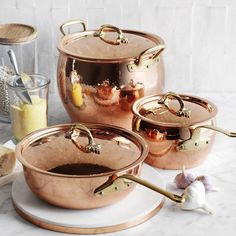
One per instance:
(220,165)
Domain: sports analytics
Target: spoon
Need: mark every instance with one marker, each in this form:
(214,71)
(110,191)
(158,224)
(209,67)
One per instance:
(23,95)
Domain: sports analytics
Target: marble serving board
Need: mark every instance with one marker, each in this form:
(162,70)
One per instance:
(140,205)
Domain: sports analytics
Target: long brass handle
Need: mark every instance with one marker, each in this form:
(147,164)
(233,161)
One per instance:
(74,133)
(72,22)
(101,34)
(217,129)
(156,50)
(102,189)
(197,142)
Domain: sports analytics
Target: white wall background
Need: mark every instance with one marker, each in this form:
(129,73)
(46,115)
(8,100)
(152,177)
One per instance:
(200,35)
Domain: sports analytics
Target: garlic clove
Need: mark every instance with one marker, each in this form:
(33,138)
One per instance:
(195,197)
(183,179)
(205,179)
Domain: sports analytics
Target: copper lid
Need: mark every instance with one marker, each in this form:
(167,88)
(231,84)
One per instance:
(16,33)
(156,110)
(70,143)
(101,45)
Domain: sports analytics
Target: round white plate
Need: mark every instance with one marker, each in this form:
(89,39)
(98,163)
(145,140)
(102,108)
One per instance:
(137,207)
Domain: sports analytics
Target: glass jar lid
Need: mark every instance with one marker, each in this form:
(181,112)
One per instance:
(11,34)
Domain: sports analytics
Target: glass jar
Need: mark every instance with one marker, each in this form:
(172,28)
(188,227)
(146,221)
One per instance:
(21,39)
(28,115)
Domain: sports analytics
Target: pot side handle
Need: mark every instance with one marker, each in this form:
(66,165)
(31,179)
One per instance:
(197,142)
(146,59)
(72,22)
(217,129)
(155,51)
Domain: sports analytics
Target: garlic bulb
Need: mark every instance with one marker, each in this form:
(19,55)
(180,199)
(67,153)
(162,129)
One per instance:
(183,179)
(205,179)
(194,197)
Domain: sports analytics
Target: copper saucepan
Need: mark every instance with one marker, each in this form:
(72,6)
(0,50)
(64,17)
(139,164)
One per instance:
(179,129)
(109,164)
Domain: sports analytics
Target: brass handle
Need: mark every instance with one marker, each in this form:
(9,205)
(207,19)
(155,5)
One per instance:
(217,129)
(182,112)
(72,22)
(102,189)
(196,142)
(74,133)
(156,50)
(101,34)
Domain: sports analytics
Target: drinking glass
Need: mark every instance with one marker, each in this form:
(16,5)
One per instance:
(28,100)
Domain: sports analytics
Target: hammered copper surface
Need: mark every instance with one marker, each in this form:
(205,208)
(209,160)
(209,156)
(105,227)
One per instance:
(122,151)
(109,78)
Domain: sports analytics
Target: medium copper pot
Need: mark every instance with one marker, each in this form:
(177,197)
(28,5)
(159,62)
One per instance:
(179,129)
(105,71)
(108,146)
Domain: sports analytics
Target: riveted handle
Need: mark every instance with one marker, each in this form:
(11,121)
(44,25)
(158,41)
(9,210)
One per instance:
(155,51)
(101,34)
(106,188)
(197,142)
(72,22)
(75,132)
(182,112)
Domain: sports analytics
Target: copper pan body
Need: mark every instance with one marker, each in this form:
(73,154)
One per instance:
(165,138)
(47,148)
(108,88)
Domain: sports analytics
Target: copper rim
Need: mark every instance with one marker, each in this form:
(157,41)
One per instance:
(34,136)
(98,230)
(194,99)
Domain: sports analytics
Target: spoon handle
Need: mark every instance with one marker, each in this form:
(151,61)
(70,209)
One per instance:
(23,95)
(13,60)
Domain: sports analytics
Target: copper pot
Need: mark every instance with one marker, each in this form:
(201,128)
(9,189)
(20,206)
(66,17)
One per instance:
(179,129)
(110,147)
(105,71)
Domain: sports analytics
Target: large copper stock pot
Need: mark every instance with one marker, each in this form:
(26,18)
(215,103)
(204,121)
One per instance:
(96,144)
(105,71)
(179,129)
